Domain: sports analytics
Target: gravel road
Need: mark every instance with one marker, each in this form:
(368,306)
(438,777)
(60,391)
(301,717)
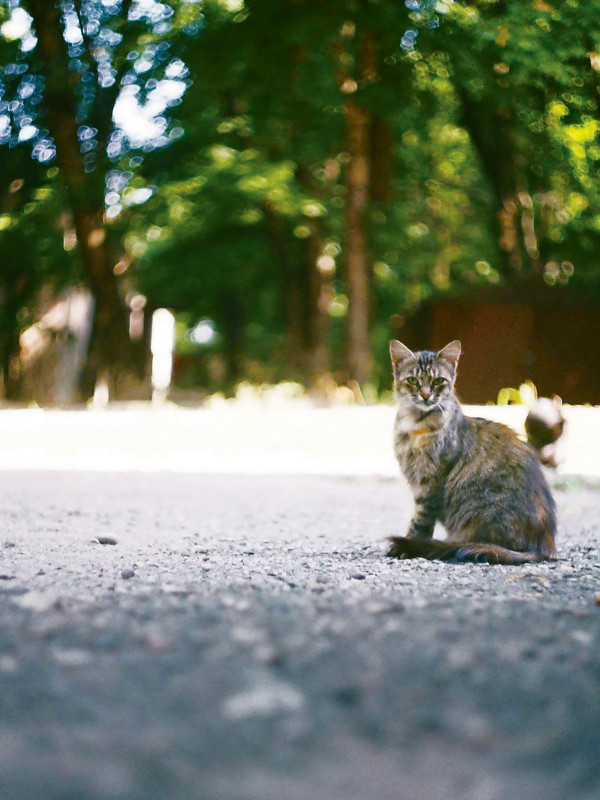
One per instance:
(246,639)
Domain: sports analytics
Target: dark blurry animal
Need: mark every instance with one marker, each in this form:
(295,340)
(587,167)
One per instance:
(473,475)
(544,427)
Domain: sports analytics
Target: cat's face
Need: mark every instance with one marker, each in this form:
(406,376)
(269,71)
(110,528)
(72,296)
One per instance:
(423,381)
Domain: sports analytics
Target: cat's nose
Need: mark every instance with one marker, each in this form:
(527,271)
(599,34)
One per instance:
(425,392)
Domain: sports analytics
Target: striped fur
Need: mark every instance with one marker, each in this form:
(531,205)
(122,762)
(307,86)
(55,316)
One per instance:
(474,476)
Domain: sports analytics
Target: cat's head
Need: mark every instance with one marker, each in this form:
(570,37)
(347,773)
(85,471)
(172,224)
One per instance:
(424,381)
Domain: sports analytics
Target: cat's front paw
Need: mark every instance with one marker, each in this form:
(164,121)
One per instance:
(397,548)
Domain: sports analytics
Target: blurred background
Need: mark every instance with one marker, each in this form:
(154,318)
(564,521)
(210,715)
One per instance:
(198,198)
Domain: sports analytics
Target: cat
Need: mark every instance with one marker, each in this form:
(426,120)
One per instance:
(474,476)
(544,426)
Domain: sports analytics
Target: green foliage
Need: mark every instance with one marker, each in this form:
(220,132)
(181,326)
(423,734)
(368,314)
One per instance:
(484,150)
(31,243)
(117,53)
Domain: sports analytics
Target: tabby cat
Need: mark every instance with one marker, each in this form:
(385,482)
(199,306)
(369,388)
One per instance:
(475,476)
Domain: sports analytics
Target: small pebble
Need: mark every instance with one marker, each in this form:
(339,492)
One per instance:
(157,643)
(269,700)
(8,664)
(71,657)
(105,540)
(358,576)
(39,601)
(265,654)
(127,573)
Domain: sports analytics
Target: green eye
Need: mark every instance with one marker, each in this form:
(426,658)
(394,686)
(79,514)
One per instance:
(412,380)
(438,382)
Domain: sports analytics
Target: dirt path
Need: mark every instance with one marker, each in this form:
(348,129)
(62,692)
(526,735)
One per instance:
(245,639)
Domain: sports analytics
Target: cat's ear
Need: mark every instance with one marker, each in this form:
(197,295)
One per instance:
(400,353)
(451,352)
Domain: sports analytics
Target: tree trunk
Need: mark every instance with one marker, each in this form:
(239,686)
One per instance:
(291,293)
(515,231)
(357,261)
(112,352)
(358,179)
(13,294)
(381,157)
(321,293)
(231,322)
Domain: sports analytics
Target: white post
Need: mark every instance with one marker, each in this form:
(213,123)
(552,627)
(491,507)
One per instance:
(162,340)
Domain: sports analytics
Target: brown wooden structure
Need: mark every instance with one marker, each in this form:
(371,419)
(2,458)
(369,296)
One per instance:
(549,335)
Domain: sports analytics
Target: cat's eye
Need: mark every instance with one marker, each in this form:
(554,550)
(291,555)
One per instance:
(438,383)
(412,380)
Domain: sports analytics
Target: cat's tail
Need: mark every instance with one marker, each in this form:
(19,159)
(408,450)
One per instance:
(435,550)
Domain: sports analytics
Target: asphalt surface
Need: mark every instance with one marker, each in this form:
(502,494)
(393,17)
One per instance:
(246,639)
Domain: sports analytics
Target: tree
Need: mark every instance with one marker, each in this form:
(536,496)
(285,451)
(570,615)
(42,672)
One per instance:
(31,235)
(331,167)
(89,55)
(31,242)
(526,82)
(314,112)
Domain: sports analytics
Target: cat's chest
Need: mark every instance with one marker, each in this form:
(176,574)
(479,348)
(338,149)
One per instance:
(423,451)
(418,449)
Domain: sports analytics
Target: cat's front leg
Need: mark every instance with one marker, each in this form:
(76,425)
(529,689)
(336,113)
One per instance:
(428,508)
(427,512)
